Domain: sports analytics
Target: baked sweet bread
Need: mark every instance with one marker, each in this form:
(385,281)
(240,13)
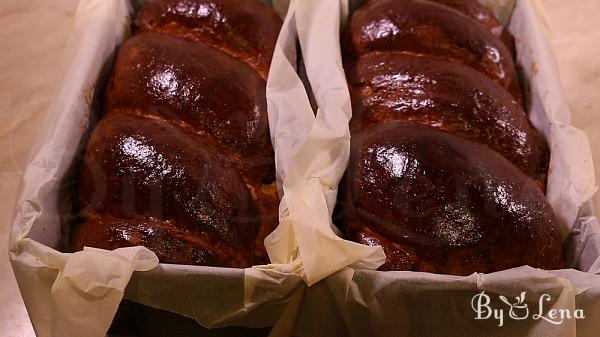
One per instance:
(425,28)
(484,16)
(441,203)
(481,14)
(447,96)
(247,30)
(181,160)
(445,168)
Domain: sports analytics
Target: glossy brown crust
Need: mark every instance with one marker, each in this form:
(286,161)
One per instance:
(165,238)
(431,30)
(245,29)
(181,162)
(453,204)
(447,96)
(181,80)
(144,166)
(478,12)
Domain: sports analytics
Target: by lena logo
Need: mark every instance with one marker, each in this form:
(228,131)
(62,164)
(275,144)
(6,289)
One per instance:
(519,310)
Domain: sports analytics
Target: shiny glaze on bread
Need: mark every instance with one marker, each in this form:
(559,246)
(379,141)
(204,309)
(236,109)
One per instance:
(247,30)
(181,160)
(442,203)
(198,85)
(445,95)
(445,167)
(431,30)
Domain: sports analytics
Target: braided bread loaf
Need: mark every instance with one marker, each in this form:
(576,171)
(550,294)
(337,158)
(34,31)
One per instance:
(446,171)
(181,160)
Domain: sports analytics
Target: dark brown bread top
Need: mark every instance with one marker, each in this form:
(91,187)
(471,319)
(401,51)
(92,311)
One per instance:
(165,238)
(181,162)
(444,95)
(444,204)
(144,166)
(432,30)
(246,29)
(181,80)
(480,13)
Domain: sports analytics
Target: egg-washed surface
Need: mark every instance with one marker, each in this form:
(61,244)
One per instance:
(446,168)
(432,30)
(247,30)
(448,96)
(181,160)
(441,203)
(181,80)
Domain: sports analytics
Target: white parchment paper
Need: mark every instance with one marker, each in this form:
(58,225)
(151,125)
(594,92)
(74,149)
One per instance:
(311,151)
(70,294)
